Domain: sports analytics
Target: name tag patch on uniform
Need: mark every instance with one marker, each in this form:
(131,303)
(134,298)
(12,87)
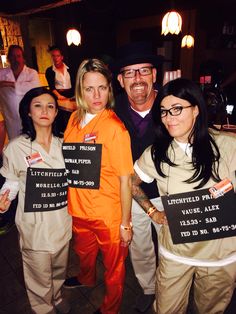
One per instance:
(33,159)
(90,137)
(220,188)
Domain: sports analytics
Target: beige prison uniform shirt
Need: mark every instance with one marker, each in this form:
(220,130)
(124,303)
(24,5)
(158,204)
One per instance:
(212,250)
(42,231)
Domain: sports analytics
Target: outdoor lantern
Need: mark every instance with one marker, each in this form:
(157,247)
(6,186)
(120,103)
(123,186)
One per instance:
(187,41)
(73,37)
(171,23)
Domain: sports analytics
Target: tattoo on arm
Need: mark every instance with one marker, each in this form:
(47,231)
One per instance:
(138,194)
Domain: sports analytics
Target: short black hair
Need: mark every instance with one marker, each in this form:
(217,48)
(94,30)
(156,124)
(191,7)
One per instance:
(54,47)
(11,48)
(24,109)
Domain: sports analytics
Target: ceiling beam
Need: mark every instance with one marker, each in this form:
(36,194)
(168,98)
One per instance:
(41,8)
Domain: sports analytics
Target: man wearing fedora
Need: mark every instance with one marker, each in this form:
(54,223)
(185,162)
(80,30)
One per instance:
(136,66)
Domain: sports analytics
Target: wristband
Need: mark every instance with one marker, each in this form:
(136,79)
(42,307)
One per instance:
(151,210)
(127,228)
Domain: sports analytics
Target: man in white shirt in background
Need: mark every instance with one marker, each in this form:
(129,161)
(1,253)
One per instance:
(15,81)
(60,82)
(58,75)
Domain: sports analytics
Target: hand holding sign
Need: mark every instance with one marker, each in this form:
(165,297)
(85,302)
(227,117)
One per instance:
(159,217)
(4,201)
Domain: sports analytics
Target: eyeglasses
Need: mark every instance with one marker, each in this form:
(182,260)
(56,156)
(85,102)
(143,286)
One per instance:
(175,111)
(132,72)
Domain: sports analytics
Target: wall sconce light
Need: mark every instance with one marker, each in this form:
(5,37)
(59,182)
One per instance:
(73,37)
(4,60)
(187,41)
(171,23)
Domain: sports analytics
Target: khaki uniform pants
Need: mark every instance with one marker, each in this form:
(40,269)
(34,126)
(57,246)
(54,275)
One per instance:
(44,274)
(142,251)
(213,287)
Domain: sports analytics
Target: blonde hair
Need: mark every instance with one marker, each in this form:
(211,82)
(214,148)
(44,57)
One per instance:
(91,65)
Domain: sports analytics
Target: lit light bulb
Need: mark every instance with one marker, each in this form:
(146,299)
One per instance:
(171,23)
(187,41)
(73,37)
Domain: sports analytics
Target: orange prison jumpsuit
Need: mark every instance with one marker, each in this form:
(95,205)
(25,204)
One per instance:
(97,212)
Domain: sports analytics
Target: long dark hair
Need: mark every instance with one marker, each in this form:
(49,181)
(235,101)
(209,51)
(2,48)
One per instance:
(205,153)
(24,109)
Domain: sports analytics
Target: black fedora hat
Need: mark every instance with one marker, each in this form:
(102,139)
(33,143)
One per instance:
(135,53)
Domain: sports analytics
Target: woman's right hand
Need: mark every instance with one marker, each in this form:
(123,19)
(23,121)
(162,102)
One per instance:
(4,201)
(126,236)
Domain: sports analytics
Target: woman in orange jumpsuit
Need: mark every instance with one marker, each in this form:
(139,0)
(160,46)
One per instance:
(99,165)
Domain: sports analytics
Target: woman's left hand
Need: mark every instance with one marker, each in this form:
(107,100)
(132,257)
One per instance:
(4,201)
(126,237)
(159,217)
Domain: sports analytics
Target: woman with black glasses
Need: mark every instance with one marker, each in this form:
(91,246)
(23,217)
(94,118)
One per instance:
(195,172)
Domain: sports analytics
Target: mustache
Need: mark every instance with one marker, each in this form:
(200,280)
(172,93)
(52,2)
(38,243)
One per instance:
(139,84)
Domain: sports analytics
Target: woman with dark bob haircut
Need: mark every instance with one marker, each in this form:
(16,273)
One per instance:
(190,159)
(33,165)
(24,109)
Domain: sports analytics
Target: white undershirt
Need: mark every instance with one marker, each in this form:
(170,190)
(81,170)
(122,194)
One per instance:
(186,147)
(87,118)
(141,113)
(196,262)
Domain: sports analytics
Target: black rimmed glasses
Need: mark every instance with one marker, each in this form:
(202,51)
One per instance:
(132,72)
(175,111)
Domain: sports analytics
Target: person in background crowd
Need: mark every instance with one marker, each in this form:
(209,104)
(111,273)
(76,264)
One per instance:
(4,226)
(2,133)
(59,76)
(136,66)
(99,198)
(228,85)
(32,160)
(187,157)
(60,82)
(15,81)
